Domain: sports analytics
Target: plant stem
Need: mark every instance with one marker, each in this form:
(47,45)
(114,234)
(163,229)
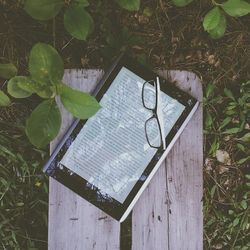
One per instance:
(215,3)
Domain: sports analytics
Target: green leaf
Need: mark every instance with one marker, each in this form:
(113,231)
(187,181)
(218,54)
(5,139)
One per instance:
(4,99)
(209,120)
(213,189)
(7,70)
(43,9)
(83,3)
(220,29)
(80,104)
(225,122)
(229,93)
(214,147)
(241,147)
(212,19)
(181,3)
(131,5)
(243,160)
(236,8)
(42,90)
(45,92)
(44,123)
(30,86)
(232,131)
(236,221)
(15,87)
(148,12)
(78,22)
(209,90)
(45,64)
(245,137)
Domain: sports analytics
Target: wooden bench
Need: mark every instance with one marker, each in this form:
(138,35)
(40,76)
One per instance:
(168,215)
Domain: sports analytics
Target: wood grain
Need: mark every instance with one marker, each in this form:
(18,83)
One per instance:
(168,215)
(185,179)
(75,224)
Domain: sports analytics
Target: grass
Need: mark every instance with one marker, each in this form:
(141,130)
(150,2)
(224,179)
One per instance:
(226,175)
(23,188)
(170,38)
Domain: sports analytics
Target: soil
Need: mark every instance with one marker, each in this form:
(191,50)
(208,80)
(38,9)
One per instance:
(160,34)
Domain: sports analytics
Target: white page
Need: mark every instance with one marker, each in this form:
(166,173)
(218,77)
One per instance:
(111,150)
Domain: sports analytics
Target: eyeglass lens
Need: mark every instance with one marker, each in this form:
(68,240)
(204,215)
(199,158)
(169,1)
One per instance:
(153,132)
(149,95)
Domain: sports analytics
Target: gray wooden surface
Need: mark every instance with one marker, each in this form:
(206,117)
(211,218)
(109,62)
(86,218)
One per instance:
(168,215)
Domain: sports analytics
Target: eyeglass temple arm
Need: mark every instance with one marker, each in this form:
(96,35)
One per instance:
(160,113)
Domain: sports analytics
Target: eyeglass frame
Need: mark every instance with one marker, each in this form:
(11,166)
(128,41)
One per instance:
(154,111)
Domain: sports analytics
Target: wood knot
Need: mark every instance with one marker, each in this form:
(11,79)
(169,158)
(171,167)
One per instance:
(159,218)
(73,218)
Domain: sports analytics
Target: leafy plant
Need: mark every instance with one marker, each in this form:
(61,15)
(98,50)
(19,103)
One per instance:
(116,44)
(75,18)
(226,195)
(46,73)
(7,71)
(131,5)
(4,99)
(236,116)
(215,21)
(23,189)
(227,227)
(77,21)
(238,108)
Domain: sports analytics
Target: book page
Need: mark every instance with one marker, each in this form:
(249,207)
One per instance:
(111,150)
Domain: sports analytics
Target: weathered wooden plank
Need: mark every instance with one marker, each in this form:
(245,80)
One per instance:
(73,222)
(185,169)
(169,213)
(150,217)
(70,216)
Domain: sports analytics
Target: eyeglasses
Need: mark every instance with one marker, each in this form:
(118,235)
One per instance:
(154,126)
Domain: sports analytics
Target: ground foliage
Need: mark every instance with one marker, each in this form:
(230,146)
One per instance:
(163,36)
